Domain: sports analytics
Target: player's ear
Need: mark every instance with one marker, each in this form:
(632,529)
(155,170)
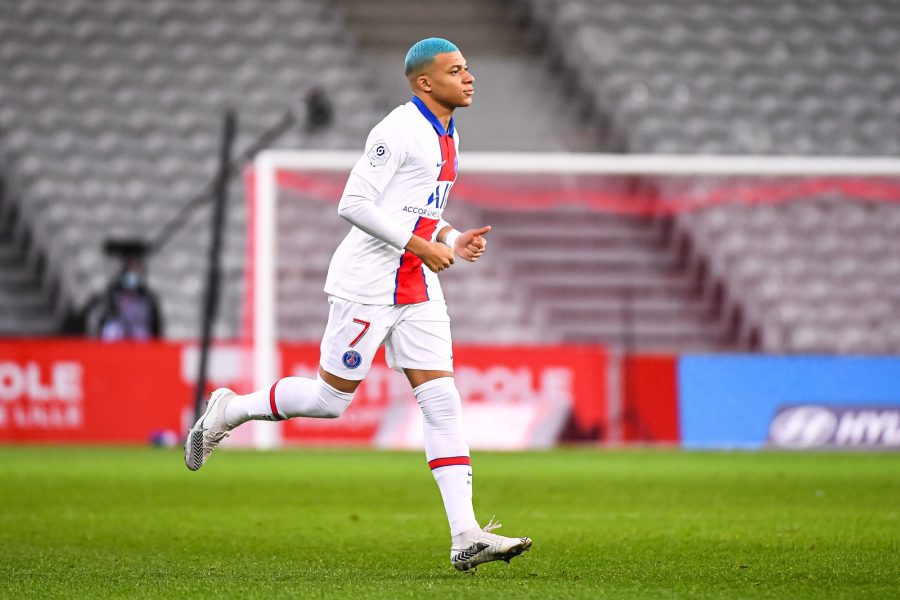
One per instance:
(423,83)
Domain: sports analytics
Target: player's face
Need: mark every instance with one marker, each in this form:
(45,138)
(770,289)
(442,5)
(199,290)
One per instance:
(451,83)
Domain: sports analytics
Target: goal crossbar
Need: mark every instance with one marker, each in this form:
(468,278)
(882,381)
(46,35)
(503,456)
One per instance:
(614,164)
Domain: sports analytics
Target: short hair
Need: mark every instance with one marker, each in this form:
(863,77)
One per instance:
(422,53)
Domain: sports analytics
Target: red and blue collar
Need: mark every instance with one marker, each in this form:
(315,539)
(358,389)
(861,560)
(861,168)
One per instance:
(435,122)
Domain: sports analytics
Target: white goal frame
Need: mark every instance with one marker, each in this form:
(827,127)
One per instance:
(269,162)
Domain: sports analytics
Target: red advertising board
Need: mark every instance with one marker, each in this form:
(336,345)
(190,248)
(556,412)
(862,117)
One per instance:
(87,391)
(650,383)
(78,391)
(513,397)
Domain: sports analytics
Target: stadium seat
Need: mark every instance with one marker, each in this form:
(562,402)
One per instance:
(109,122)
(114,107)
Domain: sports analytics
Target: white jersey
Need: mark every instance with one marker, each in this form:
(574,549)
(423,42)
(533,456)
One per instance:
(408,168)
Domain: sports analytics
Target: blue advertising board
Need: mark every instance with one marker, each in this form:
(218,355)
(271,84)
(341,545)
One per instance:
(728,401)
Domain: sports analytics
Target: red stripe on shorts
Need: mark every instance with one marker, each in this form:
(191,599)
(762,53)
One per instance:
(449,461)
(410,287)
(272,405)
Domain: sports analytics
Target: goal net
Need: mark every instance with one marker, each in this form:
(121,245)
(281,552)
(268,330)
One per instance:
(615,253)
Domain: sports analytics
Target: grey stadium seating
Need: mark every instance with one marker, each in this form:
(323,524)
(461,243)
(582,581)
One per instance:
(771,77)
(811,275)
(109,123)
(725,76)
(110,114)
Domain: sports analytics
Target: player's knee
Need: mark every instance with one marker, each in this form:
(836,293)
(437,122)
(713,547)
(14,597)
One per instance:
(440,402)
(331,402)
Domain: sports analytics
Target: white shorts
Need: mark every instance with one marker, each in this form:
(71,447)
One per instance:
(416,336)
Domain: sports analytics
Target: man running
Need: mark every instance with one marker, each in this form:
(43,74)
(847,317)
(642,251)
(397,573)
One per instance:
(383,288)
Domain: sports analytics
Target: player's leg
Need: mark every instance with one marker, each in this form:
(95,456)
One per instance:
(352,337)
(325,397)
(286,398)
(421,346)
(446,449)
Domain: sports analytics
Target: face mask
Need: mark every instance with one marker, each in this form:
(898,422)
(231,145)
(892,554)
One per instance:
(130,280)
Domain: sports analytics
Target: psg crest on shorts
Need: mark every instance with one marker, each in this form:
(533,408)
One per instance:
(351,359)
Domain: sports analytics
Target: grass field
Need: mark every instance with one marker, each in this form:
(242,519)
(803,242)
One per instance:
(103,523)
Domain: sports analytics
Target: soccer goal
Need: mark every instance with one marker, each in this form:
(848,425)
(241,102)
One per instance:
(784,254)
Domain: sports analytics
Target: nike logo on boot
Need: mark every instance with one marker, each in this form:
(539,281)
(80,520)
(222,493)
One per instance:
(470,552)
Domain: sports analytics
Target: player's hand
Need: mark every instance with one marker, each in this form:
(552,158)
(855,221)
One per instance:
(436,257)
(470,244)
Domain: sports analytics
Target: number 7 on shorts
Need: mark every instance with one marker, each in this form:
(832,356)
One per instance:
(365,329)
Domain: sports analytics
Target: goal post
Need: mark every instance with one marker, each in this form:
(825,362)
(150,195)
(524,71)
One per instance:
(573,175)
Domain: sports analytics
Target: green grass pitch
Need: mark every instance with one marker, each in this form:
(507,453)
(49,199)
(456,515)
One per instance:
(134,523)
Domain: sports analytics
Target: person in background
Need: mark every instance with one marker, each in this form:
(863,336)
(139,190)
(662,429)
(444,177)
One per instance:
(128,309)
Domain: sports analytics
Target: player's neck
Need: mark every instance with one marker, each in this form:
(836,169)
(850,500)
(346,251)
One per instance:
(440,111)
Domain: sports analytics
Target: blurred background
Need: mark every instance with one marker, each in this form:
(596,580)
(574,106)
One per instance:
(694,309)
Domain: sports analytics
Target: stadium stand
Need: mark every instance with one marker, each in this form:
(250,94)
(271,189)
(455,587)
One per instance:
(766,77)
(110,115)
(109,123)
(811,274)
(592,276)
(25,307)
(504,65)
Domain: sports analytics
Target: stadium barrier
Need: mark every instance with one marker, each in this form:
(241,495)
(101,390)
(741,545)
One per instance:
(90,391)
(66,391)
(514,397)
(532,391)
(789,401)
(649,395)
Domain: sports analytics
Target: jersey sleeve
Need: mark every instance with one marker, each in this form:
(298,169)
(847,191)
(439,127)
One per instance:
(385,152)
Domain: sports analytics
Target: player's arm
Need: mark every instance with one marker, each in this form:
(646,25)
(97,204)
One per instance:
(362,212)
(468,245)
(368,179)
(358,206)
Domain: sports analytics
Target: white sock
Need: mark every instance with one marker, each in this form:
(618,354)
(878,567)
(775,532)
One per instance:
(447,451)
(287,398)
(455,483)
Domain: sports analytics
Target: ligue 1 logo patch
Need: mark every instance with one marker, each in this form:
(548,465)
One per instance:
(351,359)
(378,154)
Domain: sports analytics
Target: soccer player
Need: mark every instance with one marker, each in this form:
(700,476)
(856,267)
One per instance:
(383,288)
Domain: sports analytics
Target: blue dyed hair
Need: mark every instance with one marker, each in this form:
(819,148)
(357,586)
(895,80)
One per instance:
(422,53)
